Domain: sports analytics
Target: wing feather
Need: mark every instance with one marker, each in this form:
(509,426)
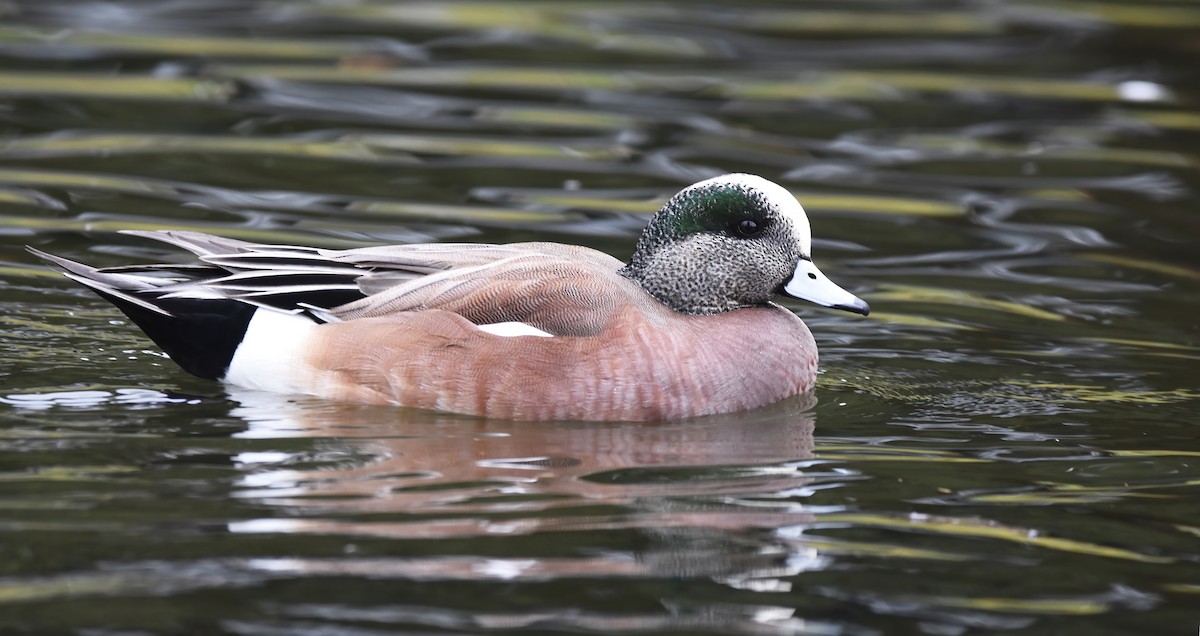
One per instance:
(560,289)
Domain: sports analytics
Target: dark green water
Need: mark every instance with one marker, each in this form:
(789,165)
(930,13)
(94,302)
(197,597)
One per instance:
(1007,444)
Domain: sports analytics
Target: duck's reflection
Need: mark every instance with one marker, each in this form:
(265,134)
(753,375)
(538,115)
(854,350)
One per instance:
(373,459)
(703,495)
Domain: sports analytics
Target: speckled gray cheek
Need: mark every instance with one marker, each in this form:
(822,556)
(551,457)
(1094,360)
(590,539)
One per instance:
(707,273)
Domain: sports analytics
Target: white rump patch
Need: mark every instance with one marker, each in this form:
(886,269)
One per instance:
(269,357)
(513,329)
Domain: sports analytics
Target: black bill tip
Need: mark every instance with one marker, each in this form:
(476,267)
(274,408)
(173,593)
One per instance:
(859,306)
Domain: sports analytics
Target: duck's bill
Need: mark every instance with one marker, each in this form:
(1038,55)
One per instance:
(808,283)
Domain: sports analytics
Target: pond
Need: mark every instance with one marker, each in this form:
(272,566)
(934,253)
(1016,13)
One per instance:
(1005,444)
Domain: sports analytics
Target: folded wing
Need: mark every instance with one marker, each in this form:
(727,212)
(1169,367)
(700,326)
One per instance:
(548,286)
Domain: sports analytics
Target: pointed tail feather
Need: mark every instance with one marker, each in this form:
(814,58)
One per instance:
(199,334)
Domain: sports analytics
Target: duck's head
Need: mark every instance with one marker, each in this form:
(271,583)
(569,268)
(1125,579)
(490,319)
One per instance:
(732,241)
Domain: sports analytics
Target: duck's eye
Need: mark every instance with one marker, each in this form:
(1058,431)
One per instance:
(747,227)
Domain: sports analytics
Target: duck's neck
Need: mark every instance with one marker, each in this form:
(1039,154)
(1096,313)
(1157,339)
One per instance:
(684,291)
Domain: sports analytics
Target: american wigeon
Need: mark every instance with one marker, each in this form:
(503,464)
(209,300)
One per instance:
(530,331)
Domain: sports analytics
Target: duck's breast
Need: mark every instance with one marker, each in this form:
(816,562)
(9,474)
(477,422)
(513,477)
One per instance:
(640,367)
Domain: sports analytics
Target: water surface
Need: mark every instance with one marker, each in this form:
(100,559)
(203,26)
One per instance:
(1006,444)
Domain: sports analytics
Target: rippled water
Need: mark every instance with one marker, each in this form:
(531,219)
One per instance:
(1006,444)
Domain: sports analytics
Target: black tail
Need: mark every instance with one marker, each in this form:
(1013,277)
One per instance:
(199,334)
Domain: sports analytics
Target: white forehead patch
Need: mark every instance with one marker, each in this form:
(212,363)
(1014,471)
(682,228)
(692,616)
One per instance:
(776,196)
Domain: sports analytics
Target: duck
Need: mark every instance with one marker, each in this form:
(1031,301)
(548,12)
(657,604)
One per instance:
(535,331)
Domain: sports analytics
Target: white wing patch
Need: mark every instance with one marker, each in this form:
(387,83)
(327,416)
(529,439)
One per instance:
(513,329)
